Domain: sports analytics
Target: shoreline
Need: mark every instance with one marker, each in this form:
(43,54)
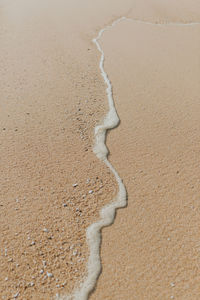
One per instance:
(145,262)
(52,96)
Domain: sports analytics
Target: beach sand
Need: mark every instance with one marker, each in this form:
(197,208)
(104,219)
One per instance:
(52,96)
(152,250)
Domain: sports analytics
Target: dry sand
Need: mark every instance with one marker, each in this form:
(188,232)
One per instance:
(152,250)
(51,97)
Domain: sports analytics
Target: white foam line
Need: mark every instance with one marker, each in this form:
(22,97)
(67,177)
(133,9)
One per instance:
(107,213)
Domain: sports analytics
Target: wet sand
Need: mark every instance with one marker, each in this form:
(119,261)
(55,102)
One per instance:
(152,250)
(52,96)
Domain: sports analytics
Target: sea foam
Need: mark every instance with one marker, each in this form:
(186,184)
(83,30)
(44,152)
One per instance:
(107,213)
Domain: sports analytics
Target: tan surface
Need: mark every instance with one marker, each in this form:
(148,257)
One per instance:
(51,97)
(152,250)
(50,88)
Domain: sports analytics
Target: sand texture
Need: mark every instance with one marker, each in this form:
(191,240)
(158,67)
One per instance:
(152,250)
(52,186)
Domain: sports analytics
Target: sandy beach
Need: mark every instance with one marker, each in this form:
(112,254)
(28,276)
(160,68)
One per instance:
(152,249)
(52,186)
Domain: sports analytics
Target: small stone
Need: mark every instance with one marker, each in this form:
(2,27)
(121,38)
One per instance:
(75,252)
(31,284)
(17,200)
(172,284)
(41,271)
(6,279)
(49,274)
(91,191)
(32,243)
(57,285)
(65,205)
(168,239)
(10,260)
(45,230)
(16,295)
(64,283)
(172,297)
(75,185)
(44,263)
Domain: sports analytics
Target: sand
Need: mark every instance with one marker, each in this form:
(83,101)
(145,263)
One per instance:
(152,250)
(52,96)
(50,88)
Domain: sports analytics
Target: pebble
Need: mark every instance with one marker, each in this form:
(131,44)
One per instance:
(45,230)
(49,274)
(32,243)
(91,191)
(75,252)
(41,271)
(16,295)
(168,239)
(6,279)
(75,185)
(172,284)
(44,263)
(88,180)
(65,205)
(31,284)
(64,283)
(10,260)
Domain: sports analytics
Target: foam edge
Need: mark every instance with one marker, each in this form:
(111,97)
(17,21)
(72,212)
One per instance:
(107,213)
